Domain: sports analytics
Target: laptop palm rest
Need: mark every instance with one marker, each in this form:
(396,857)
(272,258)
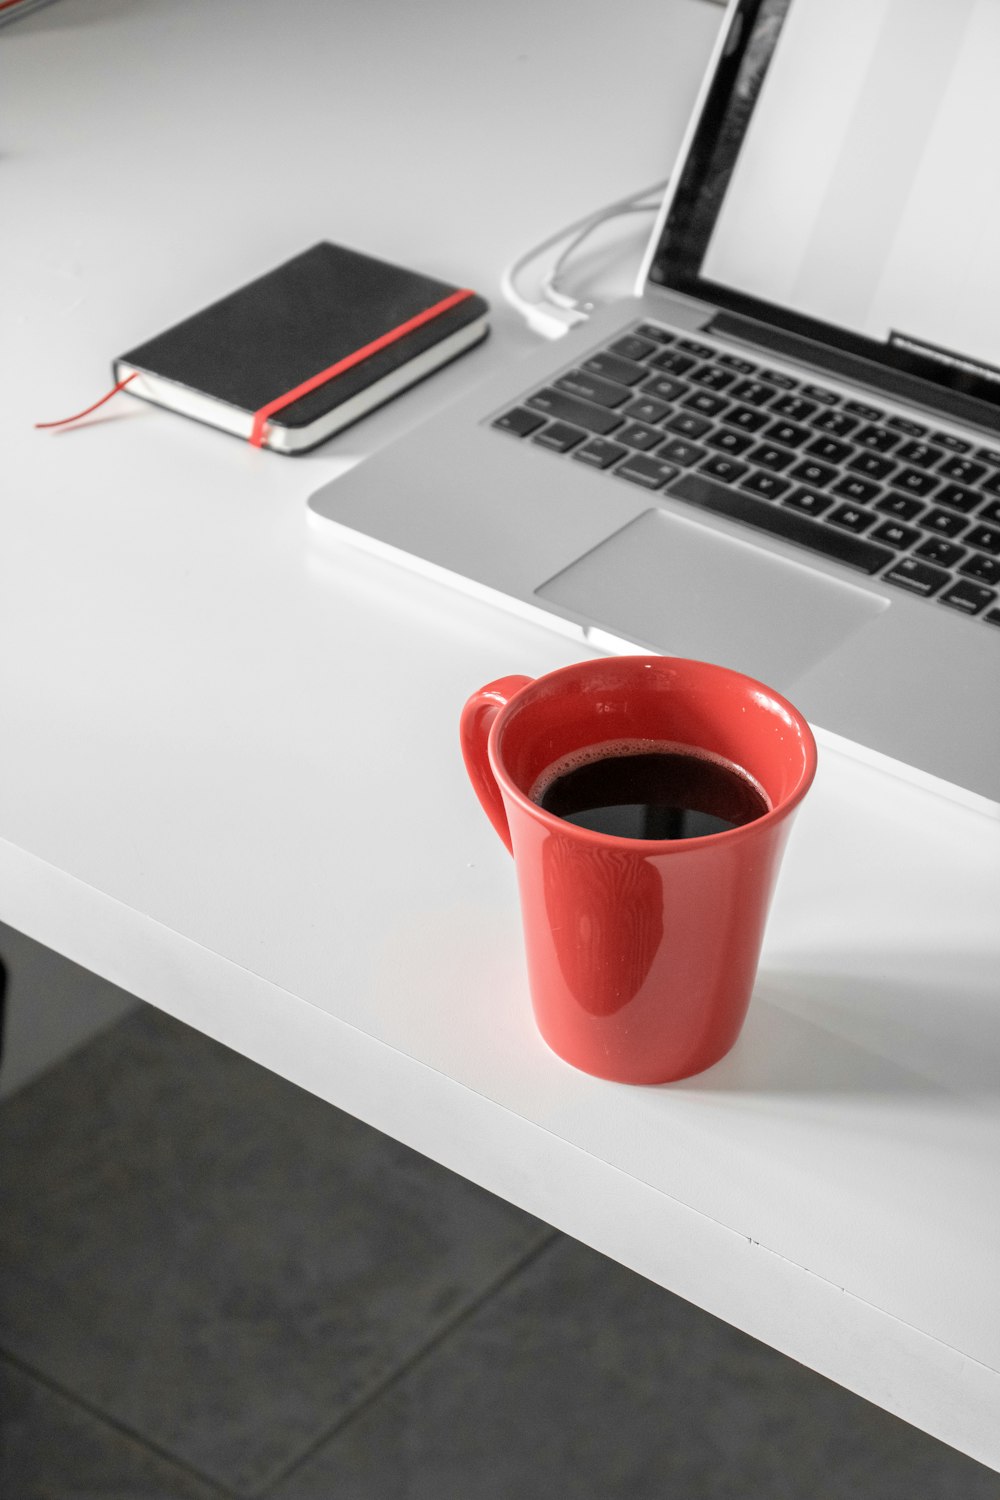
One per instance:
(669,583)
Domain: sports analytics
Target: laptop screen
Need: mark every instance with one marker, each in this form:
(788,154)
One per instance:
(843,183)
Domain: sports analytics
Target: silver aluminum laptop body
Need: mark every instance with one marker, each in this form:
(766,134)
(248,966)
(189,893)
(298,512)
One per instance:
(629,567)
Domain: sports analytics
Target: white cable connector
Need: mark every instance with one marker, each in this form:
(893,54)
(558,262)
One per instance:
(544,318)
(556,311)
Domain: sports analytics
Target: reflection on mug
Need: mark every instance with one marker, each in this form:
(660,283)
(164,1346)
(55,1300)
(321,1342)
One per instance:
(605,913)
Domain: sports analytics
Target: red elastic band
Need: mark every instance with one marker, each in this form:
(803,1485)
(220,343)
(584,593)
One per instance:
(64,421)
(350,360)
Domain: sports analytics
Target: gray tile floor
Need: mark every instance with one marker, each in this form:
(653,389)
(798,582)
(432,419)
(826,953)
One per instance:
(213,1285)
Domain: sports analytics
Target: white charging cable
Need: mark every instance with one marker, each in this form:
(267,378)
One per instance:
(555,312)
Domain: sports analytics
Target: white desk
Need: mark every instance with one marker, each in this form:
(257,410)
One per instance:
(229,776)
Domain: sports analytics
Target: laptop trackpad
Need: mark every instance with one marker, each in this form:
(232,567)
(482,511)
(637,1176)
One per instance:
(672,584)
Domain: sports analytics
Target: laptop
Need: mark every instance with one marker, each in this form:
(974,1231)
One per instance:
(783,452)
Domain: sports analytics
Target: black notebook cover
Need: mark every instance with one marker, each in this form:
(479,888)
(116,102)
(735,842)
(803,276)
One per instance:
(253,346)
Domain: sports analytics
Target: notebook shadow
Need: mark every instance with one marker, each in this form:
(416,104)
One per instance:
(913,1024)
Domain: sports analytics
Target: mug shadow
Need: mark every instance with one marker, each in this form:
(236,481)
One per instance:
(900,1024)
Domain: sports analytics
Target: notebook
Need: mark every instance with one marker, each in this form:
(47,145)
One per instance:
(307,348)
(783,452)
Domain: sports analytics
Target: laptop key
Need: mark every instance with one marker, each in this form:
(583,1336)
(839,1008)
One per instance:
(520,422)
(905,424)
(809,502)
(937,549)
(916,576)
(853,487)
(600,453)
(985,539)
(707,403)
(832,450)
(814,474)
(794,408)
(962,469)
(949,440)
(737,363)
(835,422)
(567,408)
(662,388)
(916,481)
(643,470)
(613,367)
(872,465)
(903,507)
(639,435)
(688,424)
(924,455)
(770,456)
(792,434)
(655,332)
(992,616)
(673,363)
(679,451)
(559,436)
(711,378)
(970,598)
(593,388)
(726,469)
(989,512)
(646,409)
(728,440)
(754,392)
(781,521)
(769,486)
(852,518)
(632,348)
(703,351)
(821,394)
(984,569)
(943,522)
(880,439)
(780,379)
(896,534)
(747,418)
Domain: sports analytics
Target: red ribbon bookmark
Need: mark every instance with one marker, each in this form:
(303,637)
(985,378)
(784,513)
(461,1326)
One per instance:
(260,417)
(64,421)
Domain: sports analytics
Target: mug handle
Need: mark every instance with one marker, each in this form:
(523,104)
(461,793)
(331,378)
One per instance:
(477,721)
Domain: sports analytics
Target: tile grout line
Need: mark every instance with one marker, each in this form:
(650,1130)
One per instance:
(107,1420)
(405,1368)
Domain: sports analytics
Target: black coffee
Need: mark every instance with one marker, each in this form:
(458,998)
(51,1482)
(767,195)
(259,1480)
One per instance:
(652,794)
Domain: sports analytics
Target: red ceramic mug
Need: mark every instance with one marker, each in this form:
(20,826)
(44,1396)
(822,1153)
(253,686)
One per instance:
(641,952)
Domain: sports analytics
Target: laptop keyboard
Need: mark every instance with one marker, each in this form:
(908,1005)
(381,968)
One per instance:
(890,497)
